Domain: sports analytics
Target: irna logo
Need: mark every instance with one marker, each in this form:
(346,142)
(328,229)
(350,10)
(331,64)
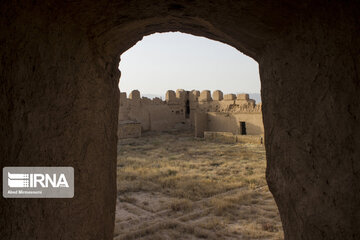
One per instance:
(20,180)
(38,182)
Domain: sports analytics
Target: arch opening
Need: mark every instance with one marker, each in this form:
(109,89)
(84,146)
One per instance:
(60,102)
(155,182)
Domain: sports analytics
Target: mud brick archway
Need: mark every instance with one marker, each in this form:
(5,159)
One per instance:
(59,103)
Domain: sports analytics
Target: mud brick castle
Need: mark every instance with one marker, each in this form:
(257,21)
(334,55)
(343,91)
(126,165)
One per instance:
(235,117)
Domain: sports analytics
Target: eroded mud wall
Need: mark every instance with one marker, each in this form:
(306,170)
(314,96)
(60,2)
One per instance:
(59,103)
(310,92)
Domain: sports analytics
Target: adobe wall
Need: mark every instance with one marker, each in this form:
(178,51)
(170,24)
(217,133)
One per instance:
(200,122)
(153,114)
(229,122)
(129,129)
(223,113)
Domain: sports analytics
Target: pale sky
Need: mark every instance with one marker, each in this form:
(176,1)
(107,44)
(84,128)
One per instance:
(164,61)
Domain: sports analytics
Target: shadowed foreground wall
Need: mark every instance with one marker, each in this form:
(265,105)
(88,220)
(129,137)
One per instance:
(59,104)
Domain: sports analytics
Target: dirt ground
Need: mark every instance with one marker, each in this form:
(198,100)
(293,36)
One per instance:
(173,186)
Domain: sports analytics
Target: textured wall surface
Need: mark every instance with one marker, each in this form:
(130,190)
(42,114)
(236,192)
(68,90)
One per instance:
(59,103)
(225,122)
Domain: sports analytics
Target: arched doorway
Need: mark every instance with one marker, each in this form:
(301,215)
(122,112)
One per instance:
(59,100)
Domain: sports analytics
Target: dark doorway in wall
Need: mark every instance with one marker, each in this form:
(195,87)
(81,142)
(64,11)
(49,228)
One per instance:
(187,107)
(243,128)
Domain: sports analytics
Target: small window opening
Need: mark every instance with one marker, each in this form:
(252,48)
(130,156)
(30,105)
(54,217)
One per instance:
(187,112)
(242,128)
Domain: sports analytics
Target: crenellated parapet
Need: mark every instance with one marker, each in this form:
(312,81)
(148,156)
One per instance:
(218,102)
(204,101)
(181,95)
(229,97)
(134,95)
(194,96)
(218,95)
(205,96)
(170,96)
(136,99)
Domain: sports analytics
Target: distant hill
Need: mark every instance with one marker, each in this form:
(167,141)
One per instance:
(151,96)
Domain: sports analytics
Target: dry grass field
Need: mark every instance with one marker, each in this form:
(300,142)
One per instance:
(173,186)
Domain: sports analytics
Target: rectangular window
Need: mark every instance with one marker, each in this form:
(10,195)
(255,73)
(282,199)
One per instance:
(242,128)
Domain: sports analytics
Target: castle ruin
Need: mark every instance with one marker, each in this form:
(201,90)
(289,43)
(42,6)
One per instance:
(233,116)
